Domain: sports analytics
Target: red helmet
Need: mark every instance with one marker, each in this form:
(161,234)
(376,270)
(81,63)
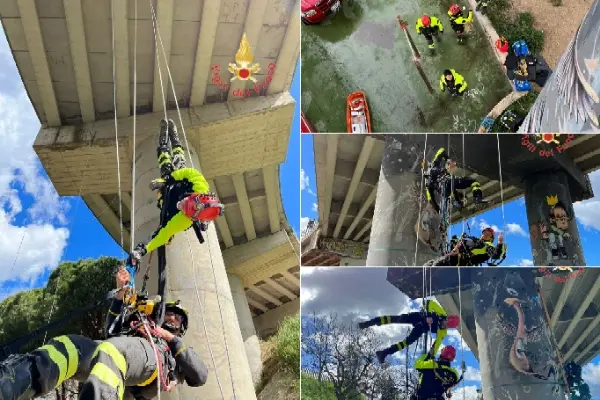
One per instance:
(448,353)
(490,230)
(202,207)
(453,321)
(454,9)
(426,20)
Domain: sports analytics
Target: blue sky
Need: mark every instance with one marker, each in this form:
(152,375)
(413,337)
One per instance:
(325,291)
(54,229)
(517,238)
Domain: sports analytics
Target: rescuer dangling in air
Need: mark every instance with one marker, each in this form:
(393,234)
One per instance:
(432,318)
(453,82)
(429,26)
(124,366)
(471,251)
(436,378)
(183,195)
(441,168)
(458,20)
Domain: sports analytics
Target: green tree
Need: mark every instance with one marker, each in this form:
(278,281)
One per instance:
(71,286)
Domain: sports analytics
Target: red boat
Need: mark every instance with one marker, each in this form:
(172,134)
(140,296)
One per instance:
(357,113)
(305,126)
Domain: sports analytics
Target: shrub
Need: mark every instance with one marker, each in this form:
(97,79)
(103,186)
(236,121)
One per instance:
(287,344)
(514,28)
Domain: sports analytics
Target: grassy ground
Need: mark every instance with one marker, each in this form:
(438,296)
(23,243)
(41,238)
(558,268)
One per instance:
(281,363)
(312,389)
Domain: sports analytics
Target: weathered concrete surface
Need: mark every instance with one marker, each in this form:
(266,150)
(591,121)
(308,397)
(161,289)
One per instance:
(570,101)
(197,277)
(399,200)
(516,356)
(267,324)
(554,235)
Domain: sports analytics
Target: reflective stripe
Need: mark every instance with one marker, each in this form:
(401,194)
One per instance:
(151,379)
(72,355)
(178,150)
(479,252)
(385,320)
(439,153)
(58,359)
(110,350)
(179,352)
(108,376)
(475,184)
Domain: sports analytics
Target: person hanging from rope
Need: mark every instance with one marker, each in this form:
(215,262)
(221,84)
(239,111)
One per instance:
(472,251)
(432,318)
(458,20)
(429,27)
(436,377)
(121,367)
(453,82)
(440,178)
(183,195)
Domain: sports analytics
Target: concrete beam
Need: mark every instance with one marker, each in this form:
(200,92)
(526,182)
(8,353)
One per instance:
(362,231)
(121,31)
(244,205)
(560,303)
(164,27)
(585,352)
(77,40)
(591,327)
(110,220)
(281,289)
(358,171)
(206,44)
(363,209)
(582,308)
(221,222)
(37,53)
(291,277)
(126,199)
(288,54)
(332,145)
(265,295)
(586,156)
(257,305)
(252,27)
(267,324)
(221,133)
(260,259)
(270,180)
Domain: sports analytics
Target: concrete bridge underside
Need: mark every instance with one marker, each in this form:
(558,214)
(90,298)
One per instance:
(348,168)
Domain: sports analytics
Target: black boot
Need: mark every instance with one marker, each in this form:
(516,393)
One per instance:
(163,137)
(178,153)
(367,324)
(478,197)
(16,378)
(382,354)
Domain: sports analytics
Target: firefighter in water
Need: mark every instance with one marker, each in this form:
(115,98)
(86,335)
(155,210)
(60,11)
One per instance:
(432,318)
(436,377)
(429,27)
(458,20)
(453,82)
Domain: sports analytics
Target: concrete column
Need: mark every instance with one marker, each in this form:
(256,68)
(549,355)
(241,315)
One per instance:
(246,322)
(507,306)
(399,198)
(196,276)
(545,195)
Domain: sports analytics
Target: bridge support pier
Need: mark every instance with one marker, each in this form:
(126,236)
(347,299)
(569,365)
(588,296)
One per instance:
(553,229)
(196,276)
(507,307)
(251,342)
(393,235)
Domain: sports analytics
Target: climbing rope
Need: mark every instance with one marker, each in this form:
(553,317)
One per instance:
(501,184)
(462,349)
(159,37)
(132,218)
(463,167)
(421,203)
(114,76)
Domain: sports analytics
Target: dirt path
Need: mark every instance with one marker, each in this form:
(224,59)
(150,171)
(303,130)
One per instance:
(558,23)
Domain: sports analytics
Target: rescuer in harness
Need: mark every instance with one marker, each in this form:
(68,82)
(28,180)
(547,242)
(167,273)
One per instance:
(183,195)
(440,169)
(471,251)
(436,378)
(453,82)
(121,367)
(429,27)
(432,318)
(458,20)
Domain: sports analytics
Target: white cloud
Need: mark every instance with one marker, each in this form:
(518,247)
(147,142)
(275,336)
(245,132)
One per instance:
(591,376)
(483,224)
(315,207)
(465,393)
(588,211)
(303,180)
(516,229)
(472,374)
(525,262)
(22,179)
(304,223)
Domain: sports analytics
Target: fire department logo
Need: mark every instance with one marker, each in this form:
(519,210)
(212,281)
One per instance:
(243,67)
(546,144)
(561,274)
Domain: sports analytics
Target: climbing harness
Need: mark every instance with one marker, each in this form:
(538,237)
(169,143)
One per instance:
(421,202)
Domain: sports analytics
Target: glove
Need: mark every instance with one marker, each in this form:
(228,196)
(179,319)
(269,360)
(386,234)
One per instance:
(157,184)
